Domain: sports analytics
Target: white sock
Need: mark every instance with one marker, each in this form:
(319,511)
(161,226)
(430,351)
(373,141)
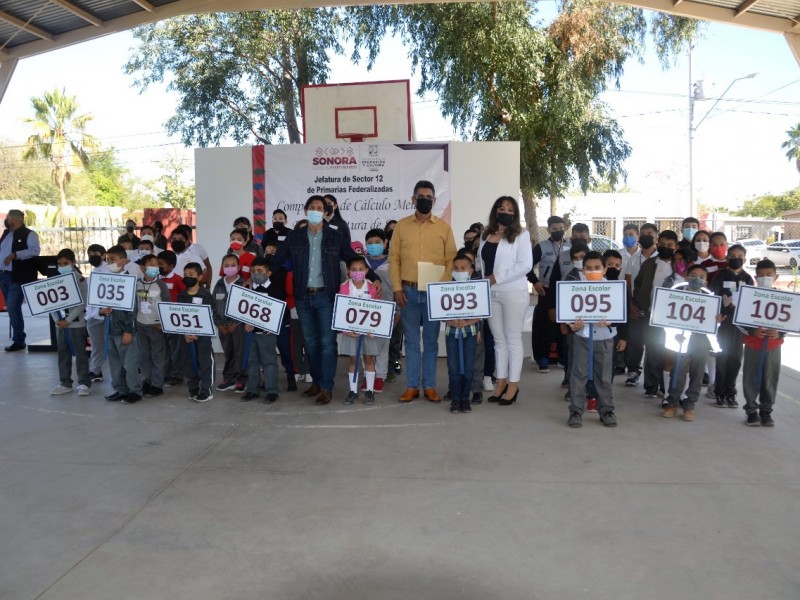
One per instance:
(370,375)
(668,380)
(353,384)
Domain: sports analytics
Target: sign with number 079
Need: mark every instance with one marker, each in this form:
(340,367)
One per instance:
(591,301)
(765,307)
(362,315)
(186,319)
(459,300)
(689,311)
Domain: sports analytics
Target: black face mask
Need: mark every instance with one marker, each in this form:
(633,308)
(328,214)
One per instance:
(557,236)
(665,253)
(178,246)
(424,205)
(278,225)
(612,274)
(735,263)
(329,209)
(95,260)
(162,272)
(505,219)
(646,241)
(129,229)
(190,282)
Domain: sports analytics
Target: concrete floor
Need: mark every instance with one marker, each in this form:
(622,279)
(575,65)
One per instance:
(175,500)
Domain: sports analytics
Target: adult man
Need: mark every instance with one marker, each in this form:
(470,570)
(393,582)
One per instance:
(419,239)
(315,252)
(19,247)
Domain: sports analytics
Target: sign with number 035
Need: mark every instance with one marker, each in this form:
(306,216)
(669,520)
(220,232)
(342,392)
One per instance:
(689,311)
(186,319)
(591,301)
(360,315)
(252,308)
(112,290)
(55,293)
(462,300)
(764,307)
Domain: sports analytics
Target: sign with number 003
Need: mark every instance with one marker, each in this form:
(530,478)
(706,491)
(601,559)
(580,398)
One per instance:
(52,294)
(764,307)
(591,301)
(186,319)
(689,311)
(462,300)
(252,308)
(360,315)
(112,290)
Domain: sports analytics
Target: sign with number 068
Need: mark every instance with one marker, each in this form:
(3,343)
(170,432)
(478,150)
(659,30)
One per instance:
(459,300)
(688,311)
(112,290)
(52,294)
(258,310)
(186,319)
(591,301)
(765,307)
(361,315)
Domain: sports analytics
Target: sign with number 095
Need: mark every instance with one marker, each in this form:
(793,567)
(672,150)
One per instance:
(361,315)
(186,319)
(688,311)
(52,294)
(112,290)
(591,301)
(258,310)
(459,300)
(765,307)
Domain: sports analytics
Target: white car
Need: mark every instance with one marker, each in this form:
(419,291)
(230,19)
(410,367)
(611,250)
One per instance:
(784,254)
(756,249)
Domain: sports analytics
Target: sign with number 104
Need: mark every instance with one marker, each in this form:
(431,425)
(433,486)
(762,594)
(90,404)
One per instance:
(459,300)
(591,301)
(52,294)
(764,307)
(112,290)
(186,319)
(689,311)
(258,310)
(361,315)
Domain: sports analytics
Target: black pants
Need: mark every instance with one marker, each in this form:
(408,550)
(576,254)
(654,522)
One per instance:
(396,345)
(729,361)
(654,359)
(634,351)
(199,365)
(488,348)
(544,332)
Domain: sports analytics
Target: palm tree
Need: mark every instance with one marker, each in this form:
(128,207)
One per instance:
(792,145)
(59,137)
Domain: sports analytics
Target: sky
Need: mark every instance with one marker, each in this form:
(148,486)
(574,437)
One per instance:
(737,153)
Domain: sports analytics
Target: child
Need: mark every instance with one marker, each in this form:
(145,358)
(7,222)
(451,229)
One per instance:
(230,331)
(760,412)
(463,333)
(238,239)
(729,360)
(198,356)
(718,248)
(684,257)
(377,260)
(173,372)
(121,351)
(358,287)
(95,323)
(72,333)
(151,348)
(263,345)
(613,264)
(603,348)
(146,247)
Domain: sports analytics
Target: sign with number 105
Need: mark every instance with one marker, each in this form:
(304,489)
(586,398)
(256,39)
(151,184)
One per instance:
(689,311)
(459,300)
(186,319)
(361,315)
(52,294)
(591,301)
(765,307)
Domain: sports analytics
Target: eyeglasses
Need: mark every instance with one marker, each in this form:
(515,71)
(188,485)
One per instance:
(423,197)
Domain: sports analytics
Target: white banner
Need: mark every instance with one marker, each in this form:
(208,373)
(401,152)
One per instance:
(112,290)
(591,301)
(186,319)
(372,183)
(688,311)
(253,308)
(360,315)
(52,294)
(467,300)
(764,307)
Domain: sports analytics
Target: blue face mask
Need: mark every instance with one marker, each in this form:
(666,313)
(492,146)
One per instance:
(65,270)
(314,217)
(152,271)
(695,283)
(688,233)
(629,241)
(374,249)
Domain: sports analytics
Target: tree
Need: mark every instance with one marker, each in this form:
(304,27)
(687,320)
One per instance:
(792,145)
(770,206)
(59,137)
(172,187)
(238,75)
(107,176)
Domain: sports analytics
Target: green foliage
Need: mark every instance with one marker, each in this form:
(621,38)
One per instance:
(792,145)
(770,206)
(107,176)
(173,187)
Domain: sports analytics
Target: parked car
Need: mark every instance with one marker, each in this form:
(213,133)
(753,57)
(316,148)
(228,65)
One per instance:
(784,254)
(601,243)
(756,249)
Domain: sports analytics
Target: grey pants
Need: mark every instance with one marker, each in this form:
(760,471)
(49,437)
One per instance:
(97,335)
(382,359)
(263,354)
(124,366)
(769,380)
(693,363)
(77,337)
(233,347)
(151,350)
(603,371)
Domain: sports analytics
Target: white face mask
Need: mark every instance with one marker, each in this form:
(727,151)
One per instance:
(461,276)
(765,282)
(114,268)
(578,264)
(702,246)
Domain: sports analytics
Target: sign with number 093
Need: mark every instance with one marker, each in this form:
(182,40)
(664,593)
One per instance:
(688,311)
(112,290)
(52,294)
(765,307)
(459,300)
(186,319)
(591,301)
(258,310)
(361,315)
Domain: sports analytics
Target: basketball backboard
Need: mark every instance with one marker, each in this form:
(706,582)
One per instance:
(356,112)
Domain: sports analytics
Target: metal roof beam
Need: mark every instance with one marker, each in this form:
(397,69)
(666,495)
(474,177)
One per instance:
(745,6)
(6,71)
(145,5)
(79,12)
(20,24)
(793,39)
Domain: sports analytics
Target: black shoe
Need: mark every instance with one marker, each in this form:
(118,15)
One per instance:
(731,402)
(145,388)
(633,379)
(249,396)
(131,399)
(369,397)
(465,407)
(477,397)
(351,398)
(96,377)
(753,420)
(575,420)
(619,371)
(115,397)
(15,347)
(398,369)
(497,398)
(203,397)
(446,397)
(154,392)
(509,401)
(609,419)
(766,419)
(720,402)
(291,383)
(272,398)
(705,378)
(455,407)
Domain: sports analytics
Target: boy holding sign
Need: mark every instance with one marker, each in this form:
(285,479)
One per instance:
(151,348)
(199,356)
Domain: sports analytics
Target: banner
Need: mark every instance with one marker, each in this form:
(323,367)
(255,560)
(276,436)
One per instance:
(372,183)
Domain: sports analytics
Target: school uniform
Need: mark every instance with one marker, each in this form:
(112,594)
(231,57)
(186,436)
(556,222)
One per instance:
(122,360)
(761,399)
(729,360)
(603,348)
(381,268)
(198,356)
(545,333)
(176,345)
(233,369)
(73,340)
(263,352)
(466,338)
(151,347)
(95,327)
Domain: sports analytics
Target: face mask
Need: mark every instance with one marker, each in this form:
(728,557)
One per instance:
(374,249)
(612,274)
(178,246)
(424,205)
(765,282)
(629,241)
(278,224)
(701,247)
(152,271)
(593,275)
(129,228)
(65,270)
(719,252)
(577,264)
(358,275)
(681,267)
(735,263)
(230,271)
(696,283)
(162,272)
(557,236)
(688,233)
(646,241)
(461,275)
(314,217)
(190,282)
(114,268)
(665,253)
(328,209)
(505,219)
(95,260)
(259,278)
(236,246)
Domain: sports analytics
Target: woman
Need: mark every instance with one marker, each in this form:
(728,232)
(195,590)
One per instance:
(334,217)
(505,259)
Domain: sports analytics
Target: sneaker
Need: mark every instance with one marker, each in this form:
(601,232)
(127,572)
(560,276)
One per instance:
(398,368)
(766,419)
(96,376)
(688,414)
(248,397)
(720,403)
(272,398)
(131,398)
(378,385)
(650,393)
(391,377)
(291,384)
(710,393)
(632,380)
(193,394)
(171,382)
(60,390)
(446,397)
(240,387)
(488,385)
(351,398)
(465,406)
(369,397)
(204,397)
(664,403)
(477,398)
(145,388)
(226,385)
(753,420)
(591,405)
(300,377)
(455,407)
(154,392)
(575,420)
(609,419)
(669,412)
(115,397)
(83,390)
(731,402)
(544,365)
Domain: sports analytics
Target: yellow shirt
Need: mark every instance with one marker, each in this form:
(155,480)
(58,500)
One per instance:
(414,242)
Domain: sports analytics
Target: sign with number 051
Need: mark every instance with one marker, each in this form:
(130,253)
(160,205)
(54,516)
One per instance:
(186,319)
(52,294)
(258,310)
(764,307)
(360,315)
(689,311)
(591,301)
(112,290)
(459,300)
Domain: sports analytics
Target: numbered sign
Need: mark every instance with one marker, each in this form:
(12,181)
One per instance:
(52,294)
(467,300)
(689,311)
(764,307)
(186,319)
(591,301)
(255,309)
(113,290)
(361,315)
